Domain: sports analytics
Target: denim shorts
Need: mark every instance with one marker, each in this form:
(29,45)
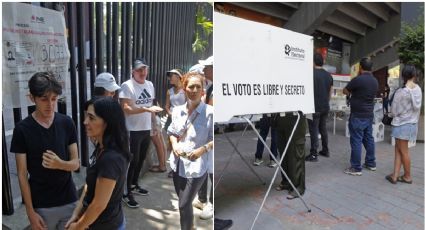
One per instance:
(405,132)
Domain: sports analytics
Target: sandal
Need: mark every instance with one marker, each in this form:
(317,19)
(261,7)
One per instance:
(390,179)
(401,179)
(156,169)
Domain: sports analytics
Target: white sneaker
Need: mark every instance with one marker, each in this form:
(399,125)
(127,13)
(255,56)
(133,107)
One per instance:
(199,205)
(207,212)
(272,164)
(257,162)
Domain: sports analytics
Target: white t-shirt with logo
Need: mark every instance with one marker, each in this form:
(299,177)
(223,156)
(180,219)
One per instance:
(142,95)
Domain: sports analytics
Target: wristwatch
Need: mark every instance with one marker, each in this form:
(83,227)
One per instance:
(206,148)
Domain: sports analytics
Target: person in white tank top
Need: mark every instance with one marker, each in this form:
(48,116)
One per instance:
(175,95)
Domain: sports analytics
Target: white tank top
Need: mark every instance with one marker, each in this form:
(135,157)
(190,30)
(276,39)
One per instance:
(176,99)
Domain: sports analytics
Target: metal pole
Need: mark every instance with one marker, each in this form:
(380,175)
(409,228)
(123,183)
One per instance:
(135,28)
(115,44)
(99,37)
(82,76)
(128,40)
(124,76)
(92,38)
(73,73)
(7,206)
(139,29)
(108,38)
(17,116)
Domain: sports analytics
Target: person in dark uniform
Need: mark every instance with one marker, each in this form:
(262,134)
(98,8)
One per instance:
(293,163)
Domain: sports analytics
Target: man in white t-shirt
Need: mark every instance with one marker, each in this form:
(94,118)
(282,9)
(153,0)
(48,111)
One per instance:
(136,98)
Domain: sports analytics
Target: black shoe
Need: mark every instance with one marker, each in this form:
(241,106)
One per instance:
(130,201)
(312,158)
(220,224)
(139,191)
(325,154)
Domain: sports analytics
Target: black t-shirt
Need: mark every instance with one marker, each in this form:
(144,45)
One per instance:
(363,89)
(49,187)
(322,85)
(112,165)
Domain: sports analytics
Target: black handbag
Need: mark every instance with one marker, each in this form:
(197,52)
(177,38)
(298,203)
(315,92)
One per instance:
(386,120)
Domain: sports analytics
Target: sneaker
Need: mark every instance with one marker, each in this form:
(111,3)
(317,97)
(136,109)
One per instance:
(139,191)
(312,158)
(369,167)
(220,224)
(199,205)
(207,212)
(352,172)
(325,154)
(257,162)
(130,201)
(272,164)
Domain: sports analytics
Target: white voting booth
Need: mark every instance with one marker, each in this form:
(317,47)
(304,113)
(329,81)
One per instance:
(260,69)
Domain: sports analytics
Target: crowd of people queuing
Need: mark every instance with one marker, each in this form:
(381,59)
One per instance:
(120,122)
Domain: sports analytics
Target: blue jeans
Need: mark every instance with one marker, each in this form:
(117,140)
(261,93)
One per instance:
(264,131)
(361,133)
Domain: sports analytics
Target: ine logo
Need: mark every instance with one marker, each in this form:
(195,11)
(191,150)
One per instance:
(37,19)
(293,52)
(287,49)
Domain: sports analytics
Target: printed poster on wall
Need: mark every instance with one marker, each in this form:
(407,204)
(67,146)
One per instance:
(34,40)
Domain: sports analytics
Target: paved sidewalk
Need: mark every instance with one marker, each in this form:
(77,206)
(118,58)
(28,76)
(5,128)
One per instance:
(337,200)
(159,210)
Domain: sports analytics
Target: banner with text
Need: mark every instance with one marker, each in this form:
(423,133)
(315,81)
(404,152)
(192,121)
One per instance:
(34,40)
(260,69)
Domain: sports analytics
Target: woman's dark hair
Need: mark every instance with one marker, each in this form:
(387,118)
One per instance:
(116,135)
(43,82)
(408,72)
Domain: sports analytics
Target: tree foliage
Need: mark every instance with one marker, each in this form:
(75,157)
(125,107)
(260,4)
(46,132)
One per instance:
(204,28)
(411,47)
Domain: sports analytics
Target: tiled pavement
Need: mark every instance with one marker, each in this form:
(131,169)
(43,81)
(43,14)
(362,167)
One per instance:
(337,200)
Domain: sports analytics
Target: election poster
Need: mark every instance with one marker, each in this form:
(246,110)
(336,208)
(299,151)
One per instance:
(260,69)
(34,40)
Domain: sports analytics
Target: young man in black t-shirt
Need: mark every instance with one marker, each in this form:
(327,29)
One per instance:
(323,83)
(46,150)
